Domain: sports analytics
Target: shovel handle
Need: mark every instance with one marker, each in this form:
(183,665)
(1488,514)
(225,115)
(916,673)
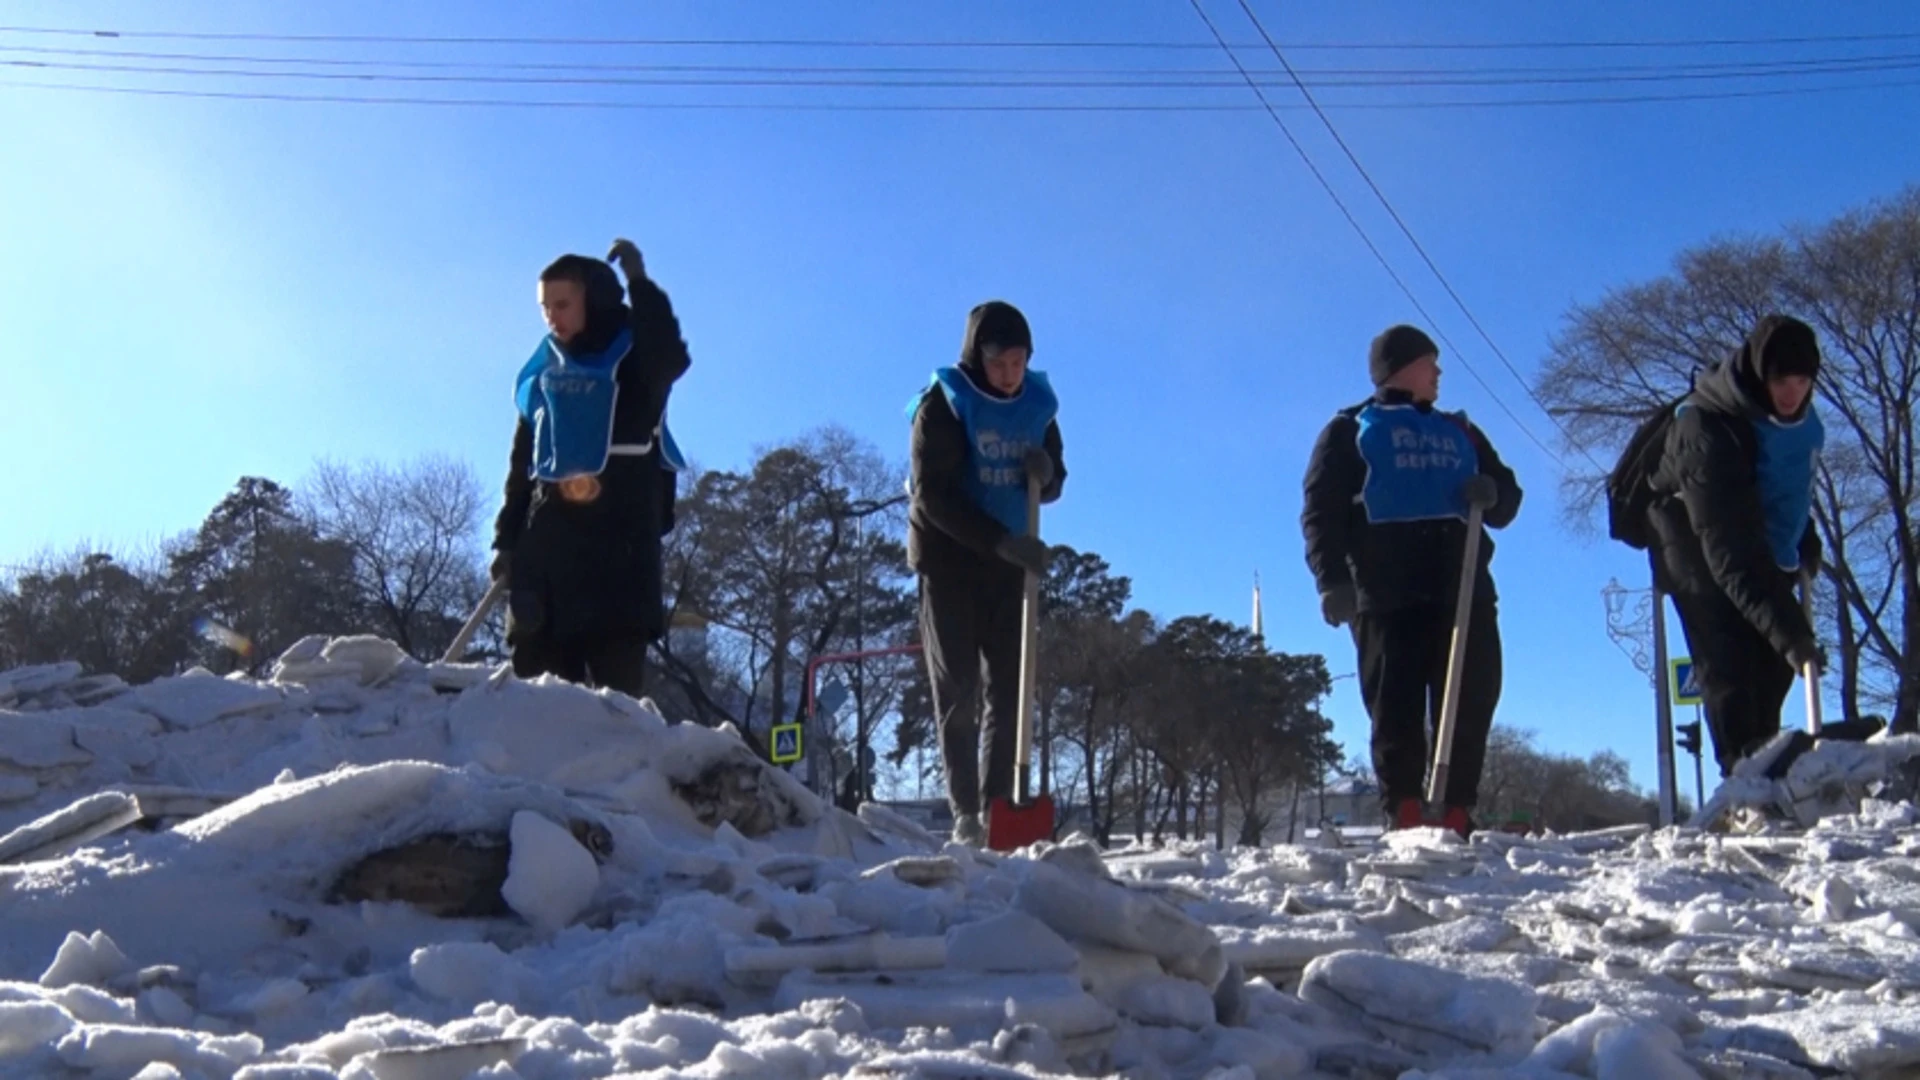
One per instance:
(1456,660)
(474,621)
(1809,671)
(1029,659)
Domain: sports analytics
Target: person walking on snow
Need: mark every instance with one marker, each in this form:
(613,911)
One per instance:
(1731,523)
(1387,492)
(590,483)
(979,431)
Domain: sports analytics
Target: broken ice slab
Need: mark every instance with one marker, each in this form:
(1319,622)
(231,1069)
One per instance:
(437,1062)
(1473,934)
(189,701)
(17,684)
(66,829)
(1806,966)
(1282,950)
(926,871)
(1861,1040)
(1424,1008)
(959,1001)
(1078,905)
(873,952)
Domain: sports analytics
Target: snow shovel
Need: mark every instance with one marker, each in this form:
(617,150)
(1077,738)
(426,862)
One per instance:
(1810,671)
(1456,660)
(1025,818)
(474,621)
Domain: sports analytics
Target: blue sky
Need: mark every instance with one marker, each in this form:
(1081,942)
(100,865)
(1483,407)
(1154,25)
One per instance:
(197,289)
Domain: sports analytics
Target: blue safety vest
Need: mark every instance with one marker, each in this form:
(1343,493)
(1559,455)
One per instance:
(569,399)
(1417,462)
(1000,431)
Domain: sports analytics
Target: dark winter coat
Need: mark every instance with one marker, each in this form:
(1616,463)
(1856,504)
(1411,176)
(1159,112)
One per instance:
(1397,564)
(947,532)
(1708,520)
(593,571)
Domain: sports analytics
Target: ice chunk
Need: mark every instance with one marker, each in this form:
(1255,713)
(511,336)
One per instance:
(188,701)
(1424,1007)
(25,682)
(1076,905)
(90,959)
(550,878)
(1009,941)
(28,1025)
(62,830)
(39,741)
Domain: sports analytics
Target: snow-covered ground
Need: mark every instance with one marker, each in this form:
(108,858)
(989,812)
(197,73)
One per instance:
(662,904)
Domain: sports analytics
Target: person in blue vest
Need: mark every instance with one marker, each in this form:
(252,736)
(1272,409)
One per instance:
(1387,493)
(1732,527)
(591,479)
(980,429)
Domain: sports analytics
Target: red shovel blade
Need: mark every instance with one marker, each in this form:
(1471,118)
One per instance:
(1012,825)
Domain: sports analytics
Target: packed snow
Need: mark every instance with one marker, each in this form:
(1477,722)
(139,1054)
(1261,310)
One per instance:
(367,868)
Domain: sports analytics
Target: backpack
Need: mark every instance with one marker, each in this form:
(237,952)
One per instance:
(1629,485)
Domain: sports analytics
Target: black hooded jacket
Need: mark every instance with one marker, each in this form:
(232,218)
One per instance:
(1707,516)
(947,532)
(1397,564)
(593,571)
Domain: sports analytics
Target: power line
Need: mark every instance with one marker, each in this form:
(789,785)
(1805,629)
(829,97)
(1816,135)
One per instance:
(979,80)
(1364,238)
(1557,74)
(1415,241)
(936,107)
(865,43)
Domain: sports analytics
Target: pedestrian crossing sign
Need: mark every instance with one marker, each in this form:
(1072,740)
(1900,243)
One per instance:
(786,744)
(1686,688)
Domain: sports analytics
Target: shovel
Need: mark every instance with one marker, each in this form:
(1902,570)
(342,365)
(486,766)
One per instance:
(474,621)
(1810,671)
(1025,818)
(1456,660)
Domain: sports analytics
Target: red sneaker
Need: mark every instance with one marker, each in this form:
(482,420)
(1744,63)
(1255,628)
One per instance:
(1458,821)
(1410,814)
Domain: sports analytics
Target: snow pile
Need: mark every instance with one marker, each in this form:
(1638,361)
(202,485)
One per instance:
(1799,779)
(371,868)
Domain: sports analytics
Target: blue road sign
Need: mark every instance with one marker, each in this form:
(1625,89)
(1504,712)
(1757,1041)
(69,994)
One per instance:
(1686,688)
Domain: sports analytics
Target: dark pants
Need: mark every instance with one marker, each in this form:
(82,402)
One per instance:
(617,663)
(970,635)
(1743,679)
(1403,675)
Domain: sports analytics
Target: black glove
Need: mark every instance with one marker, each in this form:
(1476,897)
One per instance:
(1810,553)
(1027,552)
(627,257)
(501,567)
(1481,491)
(1338,605)
(1039,465)
(1808,652)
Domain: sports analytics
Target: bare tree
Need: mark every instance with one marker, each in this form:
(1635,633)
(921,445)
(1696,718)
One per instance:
(413,532)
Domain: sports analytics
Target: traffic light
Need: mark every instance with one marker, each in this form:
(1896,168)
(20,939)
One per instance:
(1689,739)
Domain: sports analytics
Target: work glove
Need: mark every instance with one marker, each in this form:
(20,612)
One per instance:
(627,257)
(1339,604)
(1481,491)
(501,567)
(1040,466)
(1027,552)
(1808,652)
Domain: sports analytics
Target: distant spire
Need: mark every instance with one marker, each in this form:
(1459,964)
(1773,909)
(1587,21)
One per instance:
(1259,623)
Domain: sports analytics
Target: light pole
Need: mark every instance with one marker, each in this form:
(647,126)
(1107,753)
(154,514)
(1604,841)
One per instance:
(1634,615)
